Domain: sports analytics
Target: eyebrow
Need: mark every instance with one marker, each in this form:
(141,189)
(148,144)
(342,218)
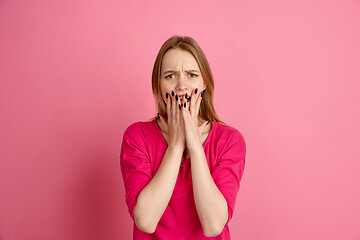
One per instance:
(171,71)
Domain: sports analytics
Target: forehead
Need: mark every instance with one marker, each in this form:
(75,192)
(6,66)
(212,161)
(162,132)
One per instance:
(174,59)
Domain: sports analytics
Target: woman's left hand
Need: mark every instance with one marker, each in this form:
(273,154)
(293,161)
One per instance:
(190,114)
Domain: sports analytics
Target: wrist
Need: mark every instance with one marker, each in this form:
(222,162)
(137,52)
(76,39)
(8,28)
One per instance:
(177,149)
(195,149)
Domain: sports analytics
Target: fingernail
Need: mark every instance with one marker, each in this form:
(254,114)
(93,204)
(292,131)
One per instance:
(177,97)
(158,115)
(167,95)
(207,123)
(202,92)
(195,91)
(184,104)
(164,103)
(172,93)
(189,98)
(179,106)
(185,95)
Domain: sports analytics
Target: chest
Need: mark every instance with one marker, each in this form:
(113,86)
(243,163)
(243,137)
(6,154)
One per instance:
(186,153)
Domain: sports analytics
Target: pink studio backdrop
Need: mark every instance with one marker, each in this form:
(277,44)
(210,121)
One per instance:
(75,74)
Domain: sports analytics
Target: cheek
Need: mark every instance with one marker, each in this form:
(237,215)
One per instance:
(199,83)
(165,88)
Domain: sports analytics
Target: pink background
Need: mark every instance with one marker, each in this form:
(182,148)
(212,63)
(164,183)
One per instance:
(75,74)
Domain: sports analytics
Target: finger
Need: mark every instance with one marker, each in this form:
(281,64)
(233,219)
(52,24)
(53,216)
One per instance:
(185,104)
(198,102)
(200,98)
(182,113)
(178,108)
(167,102)
(193,102)
(173,106)
(185,110)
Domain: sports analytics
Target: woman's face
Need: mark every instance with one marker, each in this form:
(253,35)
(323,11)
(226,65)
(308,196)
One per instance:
(180,73)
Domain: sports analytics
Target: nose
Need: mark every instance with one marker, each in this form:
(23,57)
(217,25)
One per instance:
(182,82)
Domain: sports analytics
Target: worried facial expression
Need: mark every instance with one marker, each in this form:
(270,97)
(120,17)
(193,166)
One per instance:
(180,73)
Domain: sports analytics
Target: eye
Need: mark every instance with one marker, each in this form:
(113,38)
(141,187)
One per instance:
(169,75)
(194,75)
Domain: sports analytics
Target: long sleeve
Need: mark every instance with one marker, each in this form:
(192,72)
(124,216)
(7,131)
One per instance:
(229,169)
(135,164)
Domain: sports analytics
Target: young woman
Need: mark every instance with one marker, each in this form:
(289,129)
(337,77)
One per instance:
(182,169)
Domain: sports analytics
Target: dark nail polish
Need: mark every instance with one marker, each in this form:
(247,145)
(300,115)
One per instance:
(172,93)
(179,106)
(207,123)
(202,93)
(164,103)
(158,115)
(177,97)
(184,104)
(189,98)
(167,95)
(195,91)
(185,95)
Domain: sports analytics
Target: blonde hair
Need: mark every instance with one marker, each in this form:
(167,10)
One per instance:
(206,111)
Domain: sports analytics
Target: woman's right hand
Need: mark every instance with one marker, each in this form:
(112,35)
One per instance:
(174,127)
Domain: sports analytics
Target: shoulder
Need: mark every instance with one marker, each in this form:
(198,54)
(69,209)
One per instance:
(228,132)
(136,136)
(133,129)
(229,141)
(139,128)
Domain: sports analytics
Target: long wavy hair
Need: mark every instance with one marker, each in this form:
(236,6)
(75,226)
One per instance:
(206,111)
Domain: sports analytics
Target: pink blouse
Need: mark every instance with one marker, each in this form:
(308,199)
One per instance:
(142,150)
